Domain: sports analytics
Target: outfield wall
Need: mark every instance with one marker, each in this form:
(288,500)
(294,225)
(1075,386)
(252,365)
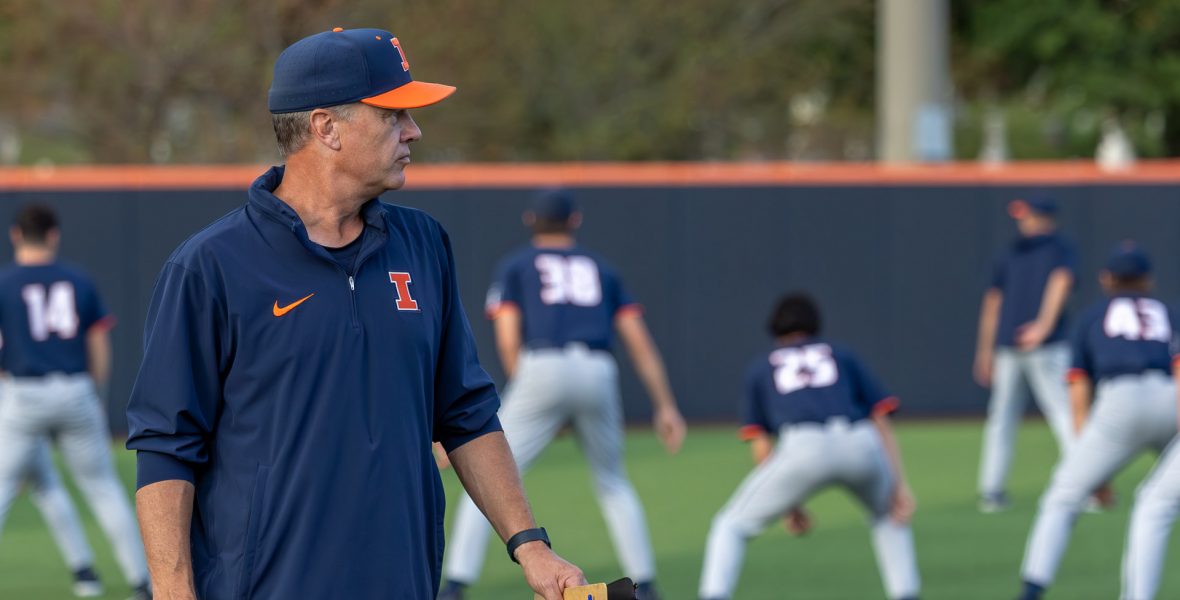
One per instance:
(897,257)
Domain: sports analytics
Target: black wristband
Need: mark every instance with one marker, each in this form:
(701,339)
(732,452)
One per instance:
(524,537)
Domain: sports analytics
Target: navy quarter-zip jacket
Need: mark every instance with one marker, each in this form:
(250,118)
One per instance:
(301,401)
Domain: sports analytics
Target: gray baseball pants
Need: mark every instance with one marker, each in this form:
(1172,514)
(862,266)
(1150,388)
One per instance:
(553,388)
(807,459)
(68,407)
(1157,503)
(1131,414)
(1014,374)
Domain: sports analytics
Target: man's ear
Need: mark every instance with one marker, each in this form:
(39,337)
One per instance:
(575,221)
(324,126)
(528,218)
(15,236)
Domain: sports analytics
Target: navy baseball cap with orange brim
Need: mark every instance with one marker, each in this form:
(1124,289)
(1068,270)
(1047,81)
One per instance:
(1040,205)
(343,66)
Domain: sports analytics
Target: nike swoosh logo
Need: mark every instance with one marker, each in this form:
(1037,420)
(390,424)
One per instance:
(282,310)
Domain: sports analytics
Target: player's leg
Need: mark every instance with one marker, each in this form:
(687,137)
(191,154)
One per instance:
(51,498)
(598,423)
(796,469)
(869,478)
(1046,368)
(1157,502)
(86,444)
(1008,396)
(1112,437)
(20,432)
(532,415)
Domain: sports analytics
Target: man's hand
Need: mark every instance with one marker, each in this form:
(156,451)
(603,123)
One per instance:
(1031,335)
(983,368)
(902,504)
(547,573)
(440,457)
(670,428)
(797,522)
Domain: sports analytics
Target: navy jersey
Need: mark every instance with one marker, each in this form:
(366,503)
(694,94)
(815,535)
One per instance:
(1021,275)
(1123,335)
(45,312)
(809,382)
(301,400)
(564,295)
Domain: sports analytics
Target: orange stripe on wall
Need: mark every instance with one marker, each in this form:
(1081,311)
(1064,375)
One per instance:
(529,175)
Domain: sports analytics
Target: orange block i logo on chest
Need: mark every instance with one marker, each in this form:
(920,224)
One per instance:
(401,282)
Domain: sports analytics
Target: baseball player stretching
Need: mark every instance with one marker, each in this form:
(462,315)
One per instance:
(831,420)
(1122,356)
(555,307)
(1021,343)
(56,350)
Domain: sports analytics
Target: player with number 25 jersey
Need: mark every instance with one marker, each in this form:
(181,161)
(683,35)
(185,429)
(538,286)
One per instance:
(830,418)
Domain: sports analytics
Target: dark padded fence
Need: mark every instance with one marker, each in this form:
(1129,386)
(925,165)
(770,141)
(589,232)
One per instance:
(898,269)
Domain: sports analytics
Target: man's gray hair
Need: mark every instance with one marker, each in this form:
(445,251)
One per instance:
(292,130)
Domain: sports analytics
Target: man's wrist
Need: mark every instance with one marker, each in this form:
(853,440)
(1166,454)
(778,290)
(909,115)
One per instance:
(526,537)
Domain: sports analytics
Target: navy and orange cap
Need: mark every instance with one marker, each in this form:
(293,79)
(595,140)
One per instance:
(1128,260)
(1041,205)
(348,65)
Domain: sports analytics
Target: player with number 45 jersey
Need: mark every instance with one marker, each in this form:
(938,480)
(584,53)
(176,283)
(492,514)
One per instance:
(556,308)
(815,418)
(1123,351)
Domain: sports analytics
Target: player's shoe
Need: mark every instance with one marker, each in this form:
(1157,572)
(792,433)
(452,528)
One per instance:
(646,591)
(993,503)
(141,592)
(86,583)
(452,590)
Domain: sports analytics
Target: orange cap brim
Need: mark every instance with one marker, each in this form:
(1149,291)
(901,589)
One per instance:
(414,94)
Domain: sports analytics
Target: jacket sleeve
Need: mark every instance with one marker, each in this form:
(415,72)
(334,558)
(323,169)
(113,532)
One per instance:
(177,393)
(465,399)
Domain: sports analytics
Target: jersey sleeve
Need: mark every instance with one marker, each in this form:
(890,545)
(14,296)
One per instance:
(622,302)
(754,418)
(465,399)
(999,273)
(177,393)
(1081,363)
(1067,258)
(505,291)
(92,311)
(870,393)
(1173,344)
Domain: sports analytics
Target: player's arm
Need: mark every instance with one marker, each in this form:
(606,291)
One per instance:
(506,325)
(761,447)
(989,318)
(650,366)
(1053,300)
(1080,393)
(165,511)
(903,498)
(488,472)
(98,354)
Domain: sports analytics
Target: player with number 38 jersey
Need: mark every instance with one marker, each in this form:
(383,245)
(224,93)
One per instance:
(556,309)
(1123,351)
(829,416)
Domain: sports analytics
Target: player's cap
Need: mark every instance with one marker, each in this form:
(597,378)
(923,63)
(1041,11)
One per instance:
(1041,205)
(348,65)
(554,205)
(1128,260)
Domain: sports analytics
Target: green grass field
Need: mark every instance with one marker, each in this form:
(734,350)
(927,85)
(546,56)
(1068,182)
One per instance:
(963,554)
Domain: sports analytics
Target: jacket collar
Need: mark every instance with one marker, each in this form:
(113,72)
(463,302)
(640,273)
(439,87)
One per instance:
(262,198)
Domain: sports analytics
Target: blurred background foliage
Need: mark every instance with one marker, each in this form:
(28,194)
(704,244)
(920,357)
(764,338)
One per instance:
(185,81)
